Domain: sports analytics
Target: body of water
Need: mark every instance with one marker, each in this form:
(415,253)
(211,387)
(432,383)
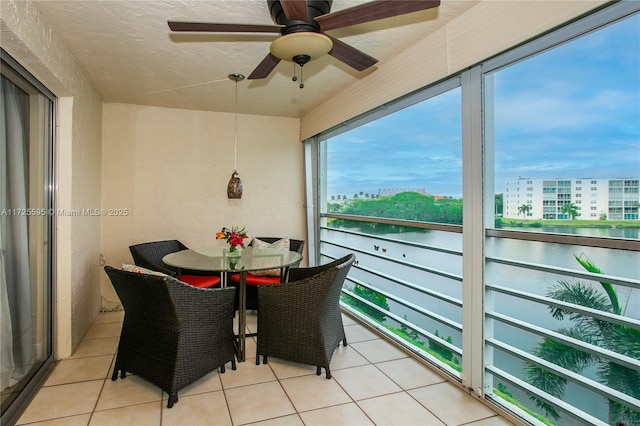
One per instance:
(604,232)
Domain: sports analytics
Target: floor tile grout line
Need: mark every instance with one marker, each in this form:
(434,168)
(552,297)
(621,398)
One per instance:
(57,418)
(283,389)
(360,353)
(353,400)
(406,391)
(398,384)
(129,375)
(69,383)
(297,412)
(427,408)
(401,389)
(95,405)
(363,410)
(471,422)
(344,403)
(278,379)
(226,400)
(161,411)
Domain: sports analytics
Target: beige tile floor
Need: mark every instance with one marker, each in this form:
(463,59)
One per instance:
(373,383)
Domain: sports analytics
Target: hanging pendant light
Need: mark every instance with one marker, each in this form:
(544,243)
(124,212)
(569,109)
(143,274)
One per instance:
(234,188)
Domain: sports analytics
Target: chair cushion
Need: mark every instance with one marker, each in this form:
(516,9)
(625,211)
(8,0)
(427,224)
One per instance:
(139,269)
(253,279)
(200,281)
(282,244)
(193,280)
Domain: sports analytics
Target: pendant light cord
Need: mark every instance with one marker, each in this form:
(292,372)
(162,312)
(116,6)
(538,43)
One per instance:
(236,77)
(235,150)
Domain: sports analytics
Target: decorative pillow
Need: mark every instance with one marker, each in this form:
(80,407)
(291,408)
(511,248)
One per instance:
(139,269)
(282,244)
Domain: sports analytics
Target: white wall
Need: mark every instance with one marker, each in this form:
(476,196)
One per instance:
(170,168)
(29,39)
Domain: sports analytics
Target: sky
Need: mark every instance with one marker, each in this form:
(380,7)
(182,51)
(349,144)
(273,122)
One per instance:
(571,112)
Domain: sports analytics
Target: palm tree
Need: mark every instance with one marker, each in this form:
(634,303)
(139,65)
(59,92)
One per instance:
(617,338)
(499,203)
(524,209)
(570,209)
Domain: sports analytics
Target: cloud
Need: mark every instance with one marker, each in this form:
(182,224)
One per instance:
(570,112)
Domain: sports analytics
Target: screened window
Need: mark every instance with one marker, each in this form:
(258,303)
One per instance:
(406,165)
(566,114)
(528,336)
(393,195)
(562,314)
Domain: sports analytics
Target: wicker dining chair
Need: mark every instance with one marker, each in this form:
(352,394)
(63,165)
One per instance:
(301,320)
(149,255)
(172,333)
(253,280)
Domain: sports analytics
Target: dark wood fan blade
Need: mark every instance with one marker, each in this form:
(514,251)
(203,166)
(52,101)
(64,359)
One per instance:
(372,11)
(351,56)
(295,10)
(223,28)
(264,68)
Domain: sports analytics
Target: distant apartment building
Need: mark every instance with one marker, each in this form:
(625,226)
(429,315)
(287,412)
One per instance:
(612,199)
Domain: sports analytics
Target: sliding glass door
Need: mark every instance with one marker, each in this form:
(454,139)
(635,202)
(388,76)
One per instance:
(26,235)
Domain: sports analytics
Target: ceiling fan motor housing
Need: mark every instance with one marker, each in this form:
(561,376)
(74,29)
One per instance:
(300,27)
(315,8)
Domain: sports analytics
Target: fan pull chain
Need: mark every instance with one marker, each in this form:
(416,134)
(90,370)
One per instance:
(301,78)
(295,77)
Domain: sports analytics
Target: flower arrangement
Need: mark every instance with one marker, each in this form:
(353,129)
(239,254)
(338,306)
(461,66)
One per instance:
(234,236)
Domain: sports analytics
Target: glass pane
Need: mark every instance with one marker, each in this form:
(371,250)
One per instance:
(517,292)
(400,277)
(562,318)
(26,230)
(407,165)
(567,136)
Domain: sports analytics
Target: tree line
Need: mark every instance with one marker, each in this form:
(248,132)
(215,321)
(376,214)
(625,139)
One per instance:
(405,206)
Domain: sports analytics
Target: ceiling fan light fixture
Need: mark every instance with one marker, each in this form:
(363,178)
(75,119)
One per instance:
(296,45)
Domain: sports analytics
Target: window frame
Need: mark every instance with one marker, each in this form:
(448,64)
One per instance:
(19,75)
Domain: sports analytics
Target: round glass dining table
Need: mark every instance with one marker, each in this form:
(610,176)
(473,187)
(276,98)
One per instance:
(216,259)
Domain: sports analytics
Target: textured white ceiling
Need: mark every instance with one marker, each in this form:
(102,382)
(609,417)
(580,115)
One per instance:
(130,55)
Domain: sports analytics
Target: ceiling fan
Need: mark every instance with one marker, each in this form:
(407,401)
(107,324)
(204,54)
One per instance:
(302,25)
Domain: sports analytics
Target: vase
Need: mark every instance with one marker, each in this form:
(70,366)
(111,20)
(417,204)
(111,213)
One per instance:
(234,262)
(234,251)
